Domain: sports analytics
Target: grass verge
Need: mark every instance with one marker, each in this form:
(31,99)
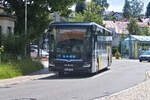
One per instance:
(19,68)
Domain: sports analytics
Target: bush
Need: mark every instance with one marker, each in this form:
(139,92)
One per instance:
(114,50)
(117,55)
(9,71)
(19,68)
(28,66)
(5,57)
(13,45)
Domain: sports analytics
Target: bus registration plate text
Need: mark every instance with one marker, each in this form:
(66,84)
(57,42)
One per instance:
(68,69)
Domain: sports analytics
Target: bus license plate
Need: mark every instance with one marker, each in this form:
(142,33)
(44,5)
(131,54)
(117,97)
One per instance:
(68,69)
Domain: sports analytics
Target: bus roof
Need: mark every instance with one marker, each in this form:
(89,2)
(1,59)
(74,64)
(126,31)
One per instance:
(59,24)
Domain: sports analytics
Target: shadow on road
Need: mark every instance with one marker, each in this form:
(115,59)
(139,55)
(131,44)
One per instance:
(145,62)
(25,99)
(73,76)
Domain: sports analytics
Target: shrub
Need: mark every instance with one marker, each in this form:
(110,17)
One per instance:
(114,50)
(28,66)
(13,45)
(117,55)
(19,68)
(9,71)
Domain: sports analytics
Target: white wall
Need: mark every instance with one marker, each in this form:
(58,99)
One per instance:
(5,23)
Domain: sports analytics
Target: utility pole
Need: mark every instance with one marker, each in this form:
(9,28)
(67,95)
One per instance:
(25,26)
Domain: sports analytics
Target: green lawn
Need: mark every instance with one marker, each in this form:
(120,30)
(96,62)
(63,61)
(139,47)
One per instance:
(19,68)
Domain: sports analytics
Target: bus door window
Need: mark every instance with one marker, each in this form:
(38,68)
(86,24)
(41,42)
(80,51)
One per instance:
(51,44)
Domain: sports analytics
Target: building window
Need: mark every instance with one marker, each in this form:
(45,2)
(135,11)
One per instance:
(9,30)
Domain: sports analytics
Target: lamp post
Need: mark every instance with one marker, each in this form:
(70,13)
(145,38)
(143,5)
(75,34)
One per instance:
(25,26)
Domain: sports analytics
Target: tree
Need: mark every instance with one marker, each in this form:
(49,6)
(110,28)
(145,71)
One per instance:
(103,4)
(133,27)
(127,9)
(90,15)
(146,31)
(38,14)
(78,18)
(132,8)
(136,7)
(148,10)
(80,7)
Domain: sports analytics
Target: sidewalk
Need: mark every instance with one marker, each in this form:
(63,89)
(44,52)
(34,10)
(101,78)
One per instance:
(139,92)
(41,74)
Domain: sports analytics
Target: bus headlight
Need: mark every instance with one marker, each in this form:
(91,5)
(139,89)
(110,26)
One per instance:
(87,65)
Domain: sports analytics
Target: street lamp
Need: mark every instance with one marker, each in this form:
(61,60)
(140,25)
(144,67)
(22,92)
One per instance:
(25,25)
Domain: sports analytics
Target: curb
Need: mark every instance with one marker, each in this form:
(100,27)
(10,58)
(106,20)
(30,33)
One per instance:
(23,79)
(34,76)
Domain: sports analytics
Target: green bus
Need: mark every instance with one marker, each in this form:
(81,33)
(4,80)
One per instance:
(79,47)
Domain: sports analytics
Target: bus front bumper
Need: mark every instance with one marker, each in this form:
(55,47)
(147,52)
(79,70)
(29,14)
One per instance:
(70,69)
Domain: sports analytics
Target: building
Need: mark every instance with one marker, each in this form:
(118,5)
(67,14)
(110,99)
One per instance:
(132,46)
(119,29)
(7,23)
(117,15)
(57,17)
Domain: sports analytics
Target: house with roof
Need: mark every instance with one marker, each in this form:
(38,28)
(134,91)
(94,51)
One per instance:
(119,29)
(7,23)
(117,15)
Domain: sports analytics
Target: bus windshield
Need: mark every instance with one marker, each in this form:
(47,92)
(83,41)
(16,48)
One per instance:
(70,46)
(72,40)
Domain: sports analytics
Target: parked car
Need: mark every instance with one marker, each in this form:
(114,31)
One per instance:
(34,46)
(34,50)
(145,56)
(44,53)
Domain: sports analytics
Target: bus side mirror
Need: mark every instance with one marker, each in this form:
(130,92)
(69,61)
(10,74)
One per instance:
(95,37)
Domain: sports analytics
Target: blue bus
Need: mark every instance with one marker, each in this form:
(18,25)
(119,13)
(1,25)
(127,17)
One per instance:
(79,47)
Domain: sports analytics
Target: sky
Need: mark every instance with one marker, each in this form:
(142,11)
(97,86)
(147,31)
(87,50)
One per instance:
(117,5)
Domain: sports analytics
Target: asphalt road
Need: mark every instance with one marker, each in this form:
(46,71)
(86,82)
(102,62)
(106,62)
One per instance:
(123,74)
